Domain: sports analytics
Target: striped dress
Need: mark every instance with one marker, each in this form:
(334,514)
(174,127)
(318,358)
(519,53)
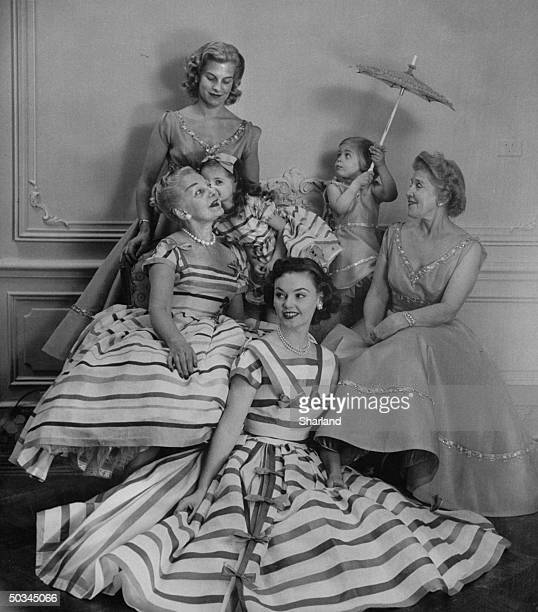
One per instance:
(269,534)
(305,234)
(116,394)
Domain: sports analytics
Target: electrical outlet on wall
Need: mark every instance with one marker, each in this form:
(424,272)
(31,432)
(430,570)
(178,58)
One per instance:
(509,147)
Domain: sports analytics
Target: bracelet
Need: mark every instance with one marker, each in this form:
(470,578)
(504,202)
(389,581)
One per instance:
(409,318)
(140,221)
(82,311)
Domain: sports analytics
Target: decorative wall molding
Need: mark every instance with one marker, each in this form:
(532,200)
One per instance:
(31,316)
(27,197)
(522,234)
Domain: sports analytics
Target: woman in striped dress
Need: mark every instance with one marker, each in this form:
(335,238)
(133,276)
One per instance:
(139,380)
(257,528)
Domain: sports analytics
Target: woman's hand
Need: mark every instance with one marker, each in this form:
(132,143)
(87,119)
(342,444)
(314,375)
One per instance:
(390,325)
(191,503)
(335,480)
(137,246)
(182,357)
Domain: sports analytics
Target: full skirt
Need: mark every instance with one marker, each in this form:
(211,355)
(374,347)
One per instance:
(117,395)
(269,535)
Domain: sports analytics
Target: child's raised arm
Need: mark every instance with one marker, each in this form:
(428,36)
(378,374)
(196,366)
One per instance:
(385,189)
(341,203)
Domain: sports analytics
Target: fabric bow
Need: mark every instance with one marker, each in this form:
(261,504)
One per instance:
(245,578)
(281,502)
(261,471)
(225,160)
(260,537)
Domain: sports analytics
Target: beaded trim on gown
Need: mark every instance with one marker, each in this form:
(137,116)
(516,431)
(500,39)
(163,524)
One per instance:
(185,148)
(470,448)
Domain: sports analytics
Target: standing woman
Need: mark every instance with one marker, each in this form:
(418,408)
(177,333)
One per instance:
(180,138)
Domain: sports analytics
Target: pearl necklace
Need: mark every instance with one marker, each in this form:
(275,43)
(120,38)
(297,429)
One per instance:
(294,349)
(206,243)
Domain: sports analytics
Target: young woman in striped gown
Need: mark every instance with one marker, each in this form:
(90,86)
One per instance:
(256,527)
(137,380)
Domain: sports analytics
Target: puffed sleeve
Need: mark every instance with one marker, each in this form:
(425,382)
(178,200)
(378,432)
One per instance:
(165,126)
(249,367)
(260,208)
(252,139)
(167,252)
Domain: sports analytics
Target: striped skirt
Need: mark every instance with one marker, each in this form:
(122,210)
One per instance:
(268,536)
(116,394)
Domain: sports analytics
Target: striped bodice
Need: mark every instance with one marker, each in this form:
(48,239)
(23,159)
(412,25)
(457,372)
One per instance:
(206,278)
(284,387)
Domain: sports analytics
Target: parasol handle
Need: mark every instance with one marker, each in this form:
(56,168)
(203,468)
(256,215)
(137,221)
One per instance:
(395,108)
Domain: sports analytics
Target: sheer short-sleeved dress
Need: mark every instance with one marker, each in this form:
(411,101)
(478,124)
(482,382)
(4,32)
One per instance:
(305,234)
(355,230)
(449,404)
(269,534)
(185,148)
(116,394)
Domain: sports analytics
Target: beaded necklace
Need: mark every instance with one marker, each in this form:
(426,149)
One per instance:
(206,243)
(294,349)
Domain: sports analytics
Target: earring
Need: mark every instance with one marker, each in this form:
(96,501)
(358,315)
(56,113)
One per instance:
(439,204)
(320,305)
(185,214)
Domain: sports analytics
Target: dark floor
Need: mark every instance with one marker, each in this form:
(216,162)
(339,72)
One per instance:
(512,585)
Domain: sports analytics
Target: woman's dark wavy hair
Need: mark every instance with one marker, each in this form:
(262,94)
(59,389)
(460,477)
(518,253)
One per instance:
(447,178)
(322,281)
(220,52)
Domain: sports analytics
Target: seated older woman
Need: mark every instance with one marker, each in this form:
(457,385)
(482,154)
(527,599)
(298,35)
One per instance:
(137,379)
(414,382)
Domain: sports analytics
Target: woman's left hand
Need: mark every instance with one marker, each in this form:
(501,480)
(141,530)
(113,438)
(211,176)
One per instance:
(389,326)
(191,503)
(336,481)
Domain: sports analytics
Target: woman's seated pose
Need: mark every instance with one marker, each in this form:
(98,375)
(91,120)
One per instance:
(180,138)
(256,528)
(415,381)
(137,379)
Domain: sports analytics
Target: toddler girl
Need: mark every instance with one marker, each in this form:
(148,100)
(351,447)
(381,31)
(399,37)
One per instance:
(267,232)
(352,204)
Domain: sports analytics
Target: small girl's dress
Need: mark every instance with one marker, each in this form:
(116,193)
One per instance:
(269,534)
(432,395)
(305,234)
(355,230)
(116,394)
